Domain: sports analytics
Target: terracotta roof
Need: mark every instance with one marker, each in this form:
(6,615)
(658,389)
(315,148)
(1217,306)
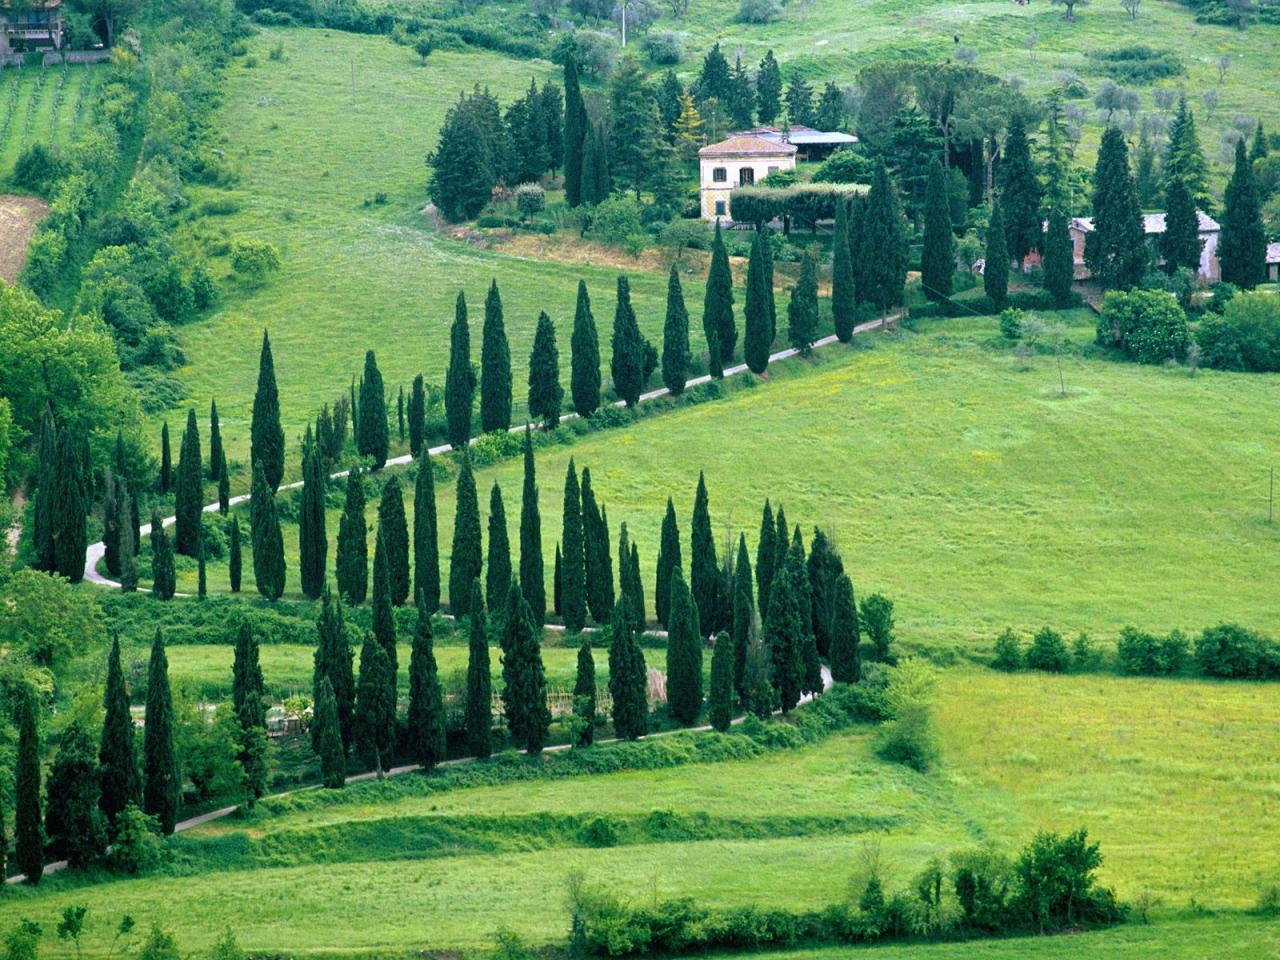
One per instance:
(749,146)
(1153,223)
(1273,253)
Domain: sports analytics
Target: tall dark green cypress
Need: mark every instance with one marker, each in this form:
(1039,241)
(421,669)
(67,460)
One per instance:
(426,720)
(531,574)
(313,541)
(784,633)
(71,506)
(704,569)
(668,560)
(126,532)
(417,416)
(216,453)
(846,664)
(466,557)
(584,695)
(766,260)
(758,313)
(627,363)
(1242,249)
(1059,268)
(163,577)
(938,256)
(802,311)
(721,695)
(498,570)
(684,653)
(400,413)
(545,392)
(884,272)
(353,543)
(584,382)
(202,572)
(555,582)
(573,588)
(595,554)
(857,216)
(524,692)
(394,529)
(248,700)
(268,543)
(333,664)
(166,460)
(495,366)
(575,129)
(995,270)
(479,707)
(117,755)
(266,436)
(375,718)
(675,337)
(426,538)
(460,379)
(161,789)
(628,679)
(327,736)
(46,480)
(717,308)
(224,484)
(372,439)
(631,589)
(28,838)
(1115,250)
(384,620)
(743,606)
(1019,192)
(843,294)
(825,566)
(235,557)
(757,696)
(73,822)
(1180,242)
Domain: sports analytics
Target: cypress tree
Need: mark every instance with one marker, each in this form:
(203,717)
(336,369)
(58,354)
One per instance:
(531,575)
(353,404)
(162,573)
(202,572)
(384,621)
(166,460)
(247,699)
(224,484)
(161,788)
(46,481)
(938,257)
(1242,249)
(524,692)
(479,710)
(111,523)
(721,697)
(1180,242)
(584,695)
(498,572)
(844,306)
(1115,251)
(757,697)
(1019,192)
(675,337)
(400,412)
(545,392)
(684,654)
(717,308)
(268,544)
(117,754)
(631,589)
(71,506)
(1258,148)
(758,312)
(375,717)
(313,542)
(573,586)
(466,557)
(266,436)
(460,380)
(784,634)
(995,270)
(584,380)
(417,416)
(884,273)
(127,533)
(1183,158)
(1059,267)
(372,438)
(825,567)
(668,560)
(333,665)
(595,552)
(73,821)
(765,550)
(426,720)
(353,545)
(743,605)
(556,582)
(394,530)
(704,569)
(628,679)
(627,362)
(27,836)
(781,543)
(861,281)
(575,116)
(802,312)
(216,453)
(235,559)
(426,539)
(846,664)
(326,734)
(495,366)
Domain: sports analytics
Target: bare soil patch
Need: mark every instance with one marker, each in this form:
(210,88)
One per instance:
(18,219)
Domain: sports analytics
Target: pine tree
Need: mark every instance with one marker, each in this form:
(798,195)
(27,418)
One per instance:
(46,481)
(884,274)
(460,379)
(166,460)
(1183,158)
(163,577)
(635,128)
(333,665)
(717,308)
(1180,242)
(802,311)
(938,257)
(575,116)
(675,337)
(417,416)
(995,270)
(1258,148)
(266,436)
(844,307)
(1145,181)
(743,605)
(704,569)
(375,716)
(466,557)
(495,366)
(161,788)
(384,621)
(757,313)
(216,453)
(117,755)
(784,634)
(668,561)
(394,529)
(531,576)
(313,542)
(327,737)
(800,102)
(627,363)
(426,719)
(353,545)
(1019,192)
(479,708)
(684,653)
(371,435)
(235,559)
(721,696)
(769,89)
(846,664)
(757,696)
(524,692)
(545,392)
(573,585)
(628,679)
(1059,266)
(27,835)
(1115,251)
(584,695)
(268,544)
(71,505)
(73,821)
(224,484)
(426,540)
(584,383)
(1242,249)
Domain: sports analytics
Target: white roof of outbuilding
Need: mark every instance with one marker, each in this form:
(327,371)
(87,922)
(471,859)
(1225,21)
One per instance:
(1152,223)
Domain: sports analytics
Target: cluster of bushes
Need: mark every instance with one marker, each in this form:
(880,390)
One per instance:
(805,203)
(1049,886)
(1137,64)
(1020,300)
(1227,651)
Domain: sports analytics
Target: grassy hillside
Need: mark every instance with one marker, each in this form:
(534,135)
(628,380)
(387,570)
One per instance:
(41,105)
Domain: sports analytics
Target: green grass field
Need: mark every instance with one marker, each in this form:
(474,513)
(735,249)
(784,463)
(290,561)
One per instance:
(41,105)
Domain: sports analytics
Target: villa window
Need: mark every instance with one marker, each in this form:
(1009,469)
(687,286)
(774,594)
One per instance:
(746,176)
(720,175)
(720,210)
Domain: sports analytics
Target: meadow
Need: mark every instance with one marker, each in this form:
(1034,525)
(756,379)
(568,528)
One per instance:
(41,105)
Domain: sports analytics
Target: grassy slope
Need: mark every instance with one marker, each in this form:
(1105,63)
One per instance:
(44,125)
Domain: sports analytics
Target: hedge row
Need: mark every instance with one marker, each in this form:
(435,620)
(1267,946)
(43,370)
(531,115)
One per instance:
(805,203)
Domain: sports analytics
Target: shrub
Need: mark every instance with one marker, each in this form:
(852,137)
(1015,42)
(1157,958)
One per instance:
(1057,887)
(1245,337)
(910,736)
(664,47)
(138,846)
(1011,319)
(1144,654)
(599,833)
(530,199)
(1233,652)
(37,168)
(616,219)
(1048,651)
(1008,651)
(1146,325)
(1137,64)
(759,11)
(254,259)
(846,165)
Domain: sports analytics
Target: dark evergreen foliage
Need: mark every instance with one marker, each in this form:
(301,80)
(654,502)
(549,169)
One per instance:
(573,583)
(531,575)
(684,654)
(498,570)
(844,304)
(353,543)
(235,557)
(721,697)
(46,481)
(327,737)
(883,274)
(802,311)
(266,436)
(545,392)
(224,485)
(675,337)
(393,527)
(117,754)
(460,379)
(268,543)
(166,460)
(216,454)
(426,719)
(71,491)
(161,786)
(584,696)
(333,664)
(938,257)
(495,366)
(417,416)
(426,539)
(73,822)
(995,270)
(1242,248)
(766,548)
(846,664)
(757,689)
(1019,192)
(575,128)
(467,556)
(188,490)
(479,707)
(704,568)
(743,607)
(758,311)
(313,541)
(375,716)
(1115,250)
(628,679)
(668,560)
(384,621)
(717,309)
(1180,242)
(584,383)
(28,838)
(372,438)
(163,576)
(627,363)
(769,89)
(597,563)
(524,692)
(1059,268)
(784,630)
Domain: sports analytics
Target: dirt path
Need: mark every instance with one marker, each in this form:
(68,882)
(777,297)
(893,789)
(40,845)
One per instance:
(19,217)
(19,504)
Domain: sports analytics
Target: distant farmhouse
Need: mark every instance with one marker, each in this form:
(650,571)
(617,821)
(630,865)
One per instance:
(1273,262)
(1152,227)
(33,25)
(749,156)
